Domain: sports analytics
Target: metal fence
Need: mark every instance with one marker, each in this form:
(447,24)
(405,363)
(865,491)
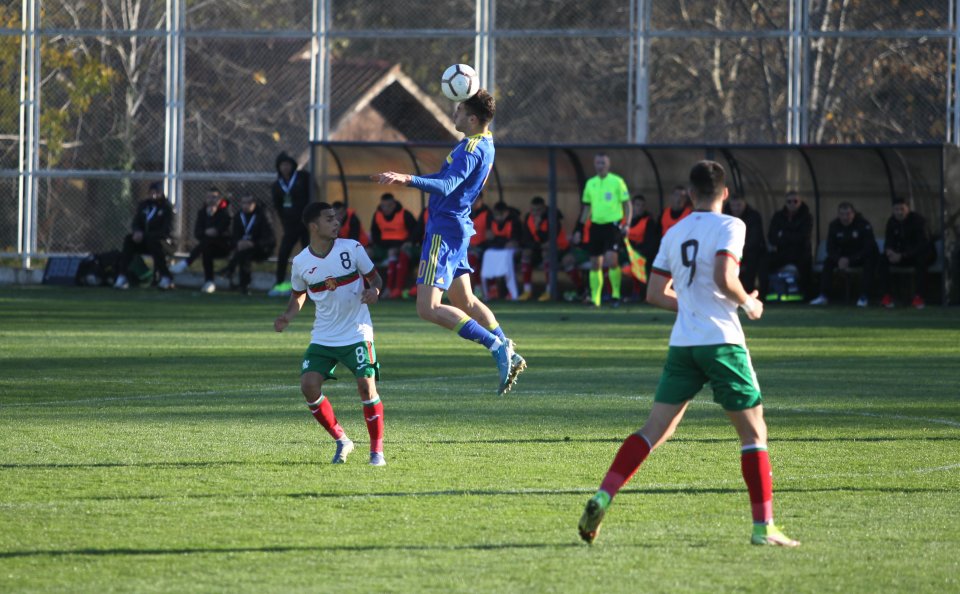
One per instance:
(101,97)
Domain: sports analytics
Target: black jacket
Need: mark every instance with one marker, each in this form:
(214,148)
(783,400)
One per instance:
(260,230)
(754,242)
(791,238)
(855,241)
(290,209)
(908,237)
(154,218)
(220,220)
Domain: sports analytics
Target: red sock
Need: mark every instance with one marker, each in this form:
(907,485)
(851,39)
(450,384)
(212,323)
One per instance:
(403,269)
(577,278)
(322,411)
(391,274)
(630,456)
(755,465)
(526,272)
(373,415)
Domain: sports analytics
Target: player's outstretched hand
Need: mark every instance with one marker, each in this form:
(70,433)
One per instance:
(369,296)
(391,178)
(280,323)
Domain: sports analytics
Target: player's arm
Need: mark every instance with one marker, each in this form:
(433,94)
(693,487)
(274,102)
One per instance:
(726,274)
(660,291)
(371,294)
(294,305)
(450,179)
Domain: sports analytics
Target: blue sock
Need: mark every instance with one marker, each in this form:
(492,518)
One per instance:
(498,332)
(471,330)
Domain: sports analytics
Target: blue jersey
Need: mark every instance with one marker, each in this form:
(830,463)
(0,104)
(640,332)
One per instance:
(456,186)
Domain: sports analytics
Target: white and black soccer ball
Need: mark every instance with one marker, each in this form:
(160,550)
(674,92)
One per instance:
(460,82)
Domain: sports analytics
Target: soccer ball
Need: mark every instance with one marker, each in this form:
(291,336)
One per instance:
(460,82)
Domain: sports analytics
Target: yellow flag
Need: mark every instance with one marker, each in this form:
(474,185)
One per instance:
(638,264)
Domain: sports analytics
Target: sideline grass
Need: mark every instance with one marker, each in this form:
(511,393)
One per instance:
(158,442)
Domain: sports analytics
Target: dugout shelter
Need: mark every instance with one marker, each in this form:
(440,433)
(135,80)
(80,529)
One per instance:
(869,177)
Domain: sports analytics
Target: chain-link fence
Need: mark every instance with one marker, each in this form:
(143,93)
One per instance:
(207,93)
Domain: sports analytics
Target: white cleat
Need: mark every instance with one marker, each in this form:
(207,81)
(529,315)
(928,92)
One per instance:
(344,447)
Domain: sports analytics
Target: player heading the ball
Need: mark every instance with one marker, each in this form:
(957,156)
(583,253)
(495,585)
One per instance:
(443,258)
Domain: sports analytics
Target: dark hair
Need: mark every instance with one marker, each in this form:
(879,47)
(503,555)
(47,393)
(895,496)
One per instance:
(387,196)
(846,206)
(900,200)
(792,193)
(708,179)
(213,190)
(482,105)
(537,200)
(337,204)
(639,197)
(312,212)
(501,206)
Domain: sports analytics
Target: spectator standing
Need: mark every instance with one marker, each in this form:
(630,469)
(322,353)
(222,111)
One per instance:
(755,245)
(604,196)
(850,243)
(789,237)
(214,234)
(291,194)
(150,234)
(906,243)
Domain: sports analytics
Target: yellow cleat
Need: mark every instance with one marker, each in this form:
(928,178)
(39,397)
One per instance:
(545,297)
(525,296)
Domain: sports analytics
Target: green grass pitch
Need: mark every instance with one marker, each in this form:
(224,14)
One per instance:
(158,442)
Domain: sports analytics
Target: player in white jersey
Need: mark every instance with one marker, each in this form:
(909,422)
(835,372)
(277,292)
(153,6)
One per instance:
(696,274)
(333,273)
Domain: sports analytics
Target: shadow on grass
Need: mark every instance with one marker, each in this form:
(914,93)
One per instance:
(291,549)
(581,491)
(215,463)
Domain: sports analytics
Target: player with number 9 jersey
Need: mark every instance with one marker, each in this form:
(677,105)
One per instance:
(688,255)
